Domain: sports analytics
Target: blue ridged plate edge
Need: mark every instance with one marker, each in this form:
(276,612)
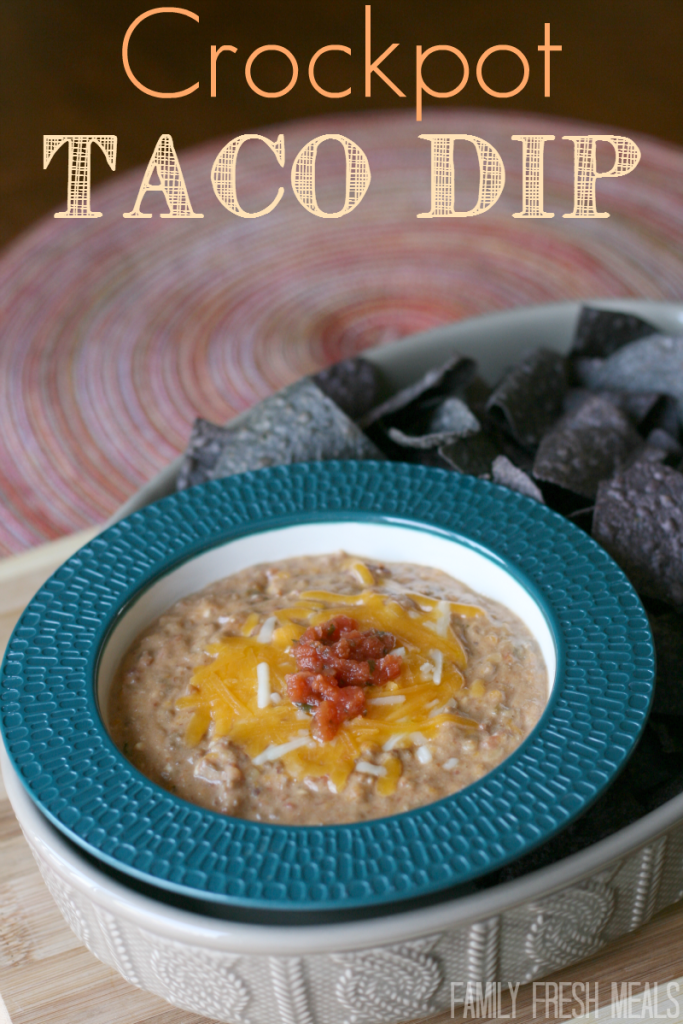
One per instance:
(72,770)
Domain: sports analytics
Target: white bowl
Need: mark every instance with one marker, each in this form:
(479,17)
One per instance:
(385,542)
(496,541)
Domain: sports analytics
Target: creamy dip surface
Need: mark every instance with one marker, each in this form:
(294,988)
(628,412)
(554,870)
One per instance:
(210,701)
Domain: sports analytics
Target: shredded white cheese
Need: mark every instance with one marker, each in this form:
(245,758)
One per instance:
(275,698)
(398,652)
(451,763)
(444,619)
(267,630)
(424,755)
(370,769)
(393,740)
(273,752)
(397,699)
(418,739)
(437,659)
(440,627)
(263,684)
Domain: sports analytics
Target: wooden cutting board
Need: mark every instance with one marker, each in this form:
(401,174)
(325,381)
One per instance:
(46,975)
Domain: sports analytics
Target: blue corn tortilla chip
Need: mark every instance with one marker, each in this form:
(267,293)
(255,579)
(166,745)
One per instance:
(644,453)
(518,456)
(574,398)
(476,453)
(507,474)
(663,439)
(652,364)
(528,399)
(638,519)
(600,332)
(649,410)
(298,424)
(476,395)
(473,455)
(422,441)
(586,446)
(453,416)
(636,404)
(450,420)
(353,384)
(639,406)
(451,378)
(664,416)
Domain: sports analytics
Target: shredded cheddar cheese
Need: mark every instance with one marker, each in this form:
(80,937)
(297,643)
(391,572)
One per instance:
(251,621)
(242,693)
(362,573)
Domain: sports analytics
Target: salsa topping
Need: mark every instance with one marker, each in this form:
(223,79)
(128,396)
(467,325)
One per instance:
(318,690)
(336,660)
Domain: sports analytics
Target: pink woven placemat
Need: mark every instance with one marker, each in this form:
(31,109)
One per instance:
(115,334)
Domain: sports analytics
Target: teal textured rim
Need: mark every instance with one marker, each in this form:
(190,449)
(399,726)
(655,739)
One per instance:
(59,745)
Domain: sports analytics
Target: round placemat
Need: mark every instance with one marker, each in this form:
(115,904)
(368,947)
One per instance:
(116,333)
(595,714)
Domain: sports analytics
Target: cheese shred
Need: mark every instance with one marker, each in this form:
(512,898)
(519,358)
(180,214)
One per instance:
(241,694)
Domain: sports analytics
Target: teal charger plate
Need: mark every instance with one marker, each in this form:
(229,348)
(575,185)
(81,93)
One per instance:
(58,742)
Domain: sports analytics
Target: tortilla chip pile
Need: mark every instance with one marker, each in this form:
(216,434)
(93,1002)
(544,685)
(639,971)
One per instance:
(595,435)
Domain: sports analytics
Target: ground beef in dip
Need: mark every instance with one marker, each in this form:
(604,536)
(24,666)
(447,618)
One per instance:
(202,703)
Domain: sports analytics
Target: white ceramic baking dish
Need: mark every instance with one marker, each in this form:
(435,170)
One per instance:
(375,971)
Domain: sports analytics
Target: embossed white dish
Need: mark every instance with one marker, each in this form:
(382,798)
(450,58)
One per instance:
(376,971)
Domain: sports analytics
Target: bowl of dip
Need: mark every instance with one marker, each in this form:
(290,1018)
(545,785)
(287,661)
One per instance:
(399,807)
